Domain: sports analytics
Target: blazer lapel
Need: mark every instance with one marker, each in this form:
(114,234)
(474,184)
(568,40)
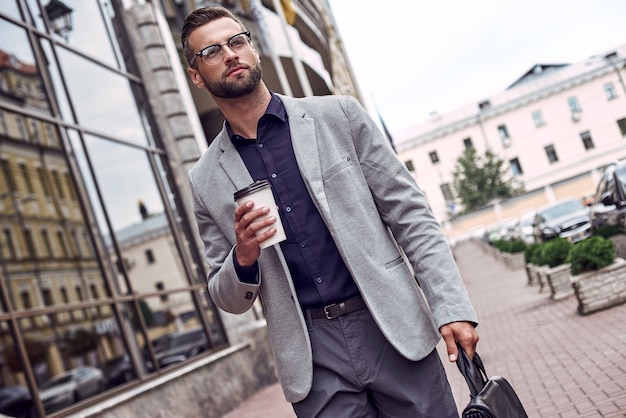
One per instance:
(231,162)
(305,147)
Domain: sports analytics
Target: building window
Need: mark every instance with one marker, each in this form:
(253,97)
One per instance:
(44,183)
(30,244)
(10,245)
(46,242)
(621,123)
(538,118)
(409,165)
(24,170)
(551,153)
(484,105)
(446,190)
(574,107)
(434,158)
(516,167)
(150,256)
(587,141)
(57,183)
(6,171)
(609,90)
(161,287)
(467,142)
(62,244)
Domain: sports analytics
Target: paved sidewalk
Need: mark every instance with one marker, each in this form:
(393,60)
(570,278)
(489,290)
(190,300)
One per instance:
(560,363)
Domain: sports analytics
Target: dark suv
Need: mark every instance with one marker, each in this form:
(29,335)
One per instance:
(568,218)
(610,200)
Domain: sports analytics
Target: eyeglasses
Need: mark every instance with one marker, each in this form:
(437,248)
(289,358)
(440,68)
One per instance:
(212,54)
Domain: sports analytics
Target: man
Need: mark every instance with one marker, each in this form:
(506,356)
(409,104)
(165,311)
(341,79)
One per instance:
(360,293)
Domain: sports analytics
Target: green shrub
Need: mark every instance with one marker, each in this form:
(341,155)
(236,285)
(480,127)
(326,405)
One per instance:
(530,251)
(607,231)
(591,254)
(514,246)
(556,251)
(539,257)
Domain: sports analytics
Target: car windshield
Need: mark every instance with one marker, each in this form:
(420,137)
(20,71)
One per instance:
(562,209)
(57,381)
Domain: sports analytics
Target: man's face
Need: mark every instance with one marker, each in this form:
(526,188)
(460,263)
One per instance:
(236,73)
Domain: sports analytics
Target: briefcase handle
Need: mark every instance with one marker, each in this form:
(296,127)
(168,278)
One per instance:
(472,370)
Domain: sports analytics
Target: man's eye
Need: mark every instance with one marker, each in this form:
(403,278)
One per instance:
(238,41)
(211,52)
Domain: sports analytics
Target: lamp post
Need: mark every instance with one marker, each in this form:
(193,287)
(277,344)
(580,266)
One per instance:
(60,17)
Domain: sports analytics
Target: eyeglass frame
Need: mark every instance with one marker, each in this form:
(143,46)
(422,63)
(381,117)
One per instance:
(199,53)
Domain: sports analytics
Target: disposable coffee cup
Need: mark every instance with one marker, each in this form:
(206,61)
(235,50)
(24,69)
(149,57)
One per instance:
(260,192)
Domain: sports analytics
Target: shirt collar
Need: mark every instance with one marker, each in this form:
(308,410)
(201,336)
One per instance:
(275,109)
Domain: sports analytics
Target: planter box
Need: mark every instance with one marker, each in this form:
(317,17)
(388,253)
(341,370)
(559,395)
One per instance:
(514,261)
(605,288)
(541,277)
(560,282)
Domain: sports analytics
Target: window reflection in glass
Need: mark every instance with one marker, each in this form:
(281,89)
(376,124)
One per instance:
(103,100)
(89,33)
(175,331)
(9,7)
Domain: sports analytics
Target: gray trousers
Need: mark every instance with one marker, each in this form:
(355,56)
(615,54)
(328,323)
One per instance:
(357,373)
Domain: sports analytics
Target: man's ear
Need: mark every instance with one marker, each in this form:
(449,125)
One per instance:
(195,78)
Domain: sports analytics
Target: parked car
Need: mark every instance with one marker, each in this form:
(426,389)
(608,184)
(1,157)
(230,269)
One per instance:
(525,227)
(180,346)
(609,207)
(15,401)
(568,218)
(70,387)
(118,370)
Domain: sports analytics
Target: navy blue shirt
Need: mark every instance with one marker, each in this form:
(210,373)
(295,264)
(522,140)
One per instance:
(319,273)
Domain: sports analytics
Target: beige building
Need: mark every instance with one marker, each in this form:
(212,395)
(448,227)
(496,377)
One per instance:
(555,128)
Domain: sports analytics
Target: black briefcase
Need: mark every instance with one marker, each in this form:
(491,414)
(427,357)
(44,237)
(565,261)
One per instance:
(489,397)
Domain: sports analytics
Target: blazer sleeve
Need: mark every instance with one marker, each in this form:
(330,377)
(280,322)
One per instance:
(405,210)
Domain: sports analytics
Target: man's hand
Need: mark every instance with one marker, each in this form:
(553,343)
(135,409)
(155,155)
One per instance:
(464,333)
(247,223)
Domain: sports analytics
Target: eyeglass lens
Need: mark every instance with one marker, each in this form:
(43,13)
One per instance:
(212,53)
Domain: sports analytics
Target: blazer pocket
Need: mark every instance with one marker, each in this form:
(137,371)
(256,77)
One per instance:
(396,262)
(341,165)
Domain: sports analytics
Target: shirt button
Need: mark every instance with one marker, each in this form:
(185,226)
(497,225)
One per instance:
(303,244)
(260,145)
(274,175)
(288,209)
(319,280)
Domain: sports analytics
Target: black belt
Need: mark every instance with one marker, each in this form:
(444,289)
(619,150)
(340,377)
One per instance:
(335,310)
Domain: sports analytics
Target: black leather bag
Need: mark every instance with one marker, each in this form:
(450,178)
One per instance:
(489,397)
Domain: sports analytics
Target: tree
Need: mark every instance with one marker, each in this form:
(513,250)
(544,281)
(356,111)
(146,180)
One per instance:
(481,179)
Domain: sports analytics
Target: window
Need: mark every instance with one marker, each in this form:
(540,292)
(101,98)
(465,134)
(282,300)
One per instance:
(574,107)
(409,165)
(621,123)
(30,244)
(62,245)
(161,287)
(468,143)
(150,256)
(538,118)
(6,171)
(516,167)
(46,242)
(43,181)
(504,133)
(10,245)
(551,154)
(57,183)
(587,141)
(24,170)
(446,190)
(484,105)
(609,90)
(434,158)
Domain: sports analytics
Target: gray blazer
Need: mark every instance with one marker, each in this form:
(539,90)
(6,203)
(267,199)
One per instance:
(372,207)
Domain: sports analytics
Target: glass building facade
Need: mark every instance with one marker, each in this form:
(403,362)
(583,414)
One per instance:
(100,284)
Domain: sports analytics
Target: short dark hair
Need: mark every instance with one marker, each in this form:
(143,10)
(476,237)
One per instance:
(201,17)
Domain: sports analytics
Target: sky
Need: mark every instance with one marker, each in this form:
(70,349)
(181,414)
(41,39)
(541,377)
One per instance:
(412,57)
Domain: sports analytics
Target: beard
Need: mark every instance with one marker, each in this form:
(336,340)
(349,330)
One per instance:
(241,86)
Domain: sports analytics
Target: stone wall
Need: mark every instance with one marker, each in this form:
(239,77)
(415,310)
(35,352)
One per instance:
(209,387)
(601,289)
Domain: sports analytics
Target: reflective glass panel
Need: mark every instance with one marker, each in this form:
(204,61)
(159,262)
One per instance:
(103,100)
(9,7)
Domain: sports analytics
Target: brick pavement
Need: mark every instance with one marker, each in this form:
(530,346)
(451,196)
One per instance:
(561,364)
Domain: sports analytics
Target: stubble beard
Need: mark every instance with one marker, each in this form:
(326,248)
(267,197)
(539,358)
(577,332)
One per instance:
(240,87)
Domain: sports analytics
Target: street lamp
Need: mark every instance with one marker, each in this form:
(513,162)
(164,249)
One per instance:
(60,16)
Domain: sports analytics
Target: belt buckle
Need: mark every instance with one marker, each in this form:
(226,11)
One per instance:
(328,315)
